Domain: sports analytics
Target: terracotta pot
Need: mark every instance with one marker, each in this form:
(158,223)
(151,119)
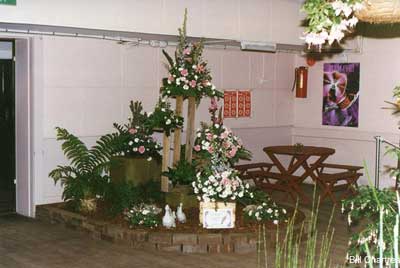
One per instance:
(135,170)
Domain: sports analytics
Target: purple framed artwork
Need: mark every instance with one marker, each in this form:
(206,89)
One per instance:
(341,94)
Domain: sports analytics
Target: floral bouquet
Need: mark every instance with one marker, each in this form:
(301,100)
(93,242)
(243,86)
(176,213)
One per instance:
(218,143)
(188,75)
(329,20)
(135,139)
(164,118)
(143,215)
(219,184)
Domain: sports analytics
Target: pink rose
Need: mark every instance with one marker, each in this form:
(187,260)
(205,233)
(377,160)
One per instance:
(132,131)
(170,78)
(209,136)
(210,150)
(193,83)
(141,149)
(186,51)
(225,181)
(197,148)
(184,72)
(224,135)
(233,151)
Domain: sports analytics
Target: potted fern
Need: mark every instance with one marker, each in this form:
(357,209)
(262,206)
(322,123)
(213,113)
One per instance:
(85,179)
(137,156)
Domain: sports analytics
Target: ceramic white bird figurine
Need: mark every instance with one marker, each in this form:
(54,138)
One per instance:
(180,214)
(168,220)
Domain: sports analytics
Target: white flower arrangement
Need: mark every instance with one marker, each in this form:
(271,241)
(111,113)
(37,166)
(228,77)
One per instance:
(329,21)
(267,211)
(212,185)
(143,215)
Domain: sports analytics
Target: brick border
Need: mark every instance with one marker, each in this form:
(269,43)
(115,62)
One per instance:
(148,239)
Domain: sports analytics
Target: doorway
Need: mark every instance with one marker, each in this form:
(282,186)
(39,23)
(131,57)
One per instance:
(7,128)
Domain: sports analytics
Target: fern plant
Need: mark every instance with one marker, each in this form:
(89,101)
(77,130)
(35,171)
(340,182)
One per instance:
(86,176)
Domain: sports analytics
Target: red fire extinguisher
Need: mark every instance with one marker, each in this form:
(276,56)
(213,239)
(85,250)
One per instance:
(300,81)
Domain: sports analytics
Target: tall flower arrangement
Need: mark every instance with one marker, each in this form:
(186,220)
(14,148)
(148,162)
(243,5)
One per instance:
(217,143)
(188,75)
(218,149)
(329,21)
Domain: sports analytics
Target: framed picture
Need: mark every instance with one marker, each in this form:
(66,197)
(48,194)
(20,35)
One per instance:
(341,94)
(237,103)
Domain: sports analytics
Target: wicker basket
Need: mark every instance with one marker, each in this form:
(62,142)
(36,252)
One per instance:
(380,11)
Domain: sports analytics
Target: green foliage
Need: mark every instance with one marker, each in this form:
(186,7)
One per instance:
(367,206)
(304,247)
(85,176)
(183,173)
(164,118)
(120,196)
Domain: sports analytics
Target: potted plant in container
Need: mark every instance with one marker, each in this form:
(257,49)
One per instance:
(182,176)
(137,154)
(84,180)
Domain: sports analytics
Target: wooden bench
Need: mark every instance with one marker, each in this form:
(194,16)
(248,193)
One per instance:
(264,179)
(331,182)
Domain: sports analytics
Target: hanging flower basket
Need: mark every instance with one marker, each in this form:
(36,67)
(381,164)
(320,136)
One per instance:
(380,11)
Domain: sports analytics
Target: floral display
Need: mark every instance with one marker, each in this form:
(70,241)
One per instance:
(217,142)
(329,21)
(267,211)
(188,75)
(135,138)
(219,183)
(164,118)
(143,215)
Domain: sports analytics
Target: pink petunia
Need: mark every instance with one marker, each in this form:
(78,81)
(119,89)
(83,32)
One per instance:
(193,83)
(132,131)
(141,149)
(184,72)
(197,148)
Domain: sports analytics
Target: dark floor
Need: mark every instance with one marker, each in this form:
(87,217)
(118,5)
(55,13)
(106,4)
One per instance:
(28,243)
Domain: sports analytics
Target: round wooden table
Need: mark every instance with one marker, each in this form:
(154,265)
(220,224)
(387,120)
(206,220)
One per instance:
(300,158)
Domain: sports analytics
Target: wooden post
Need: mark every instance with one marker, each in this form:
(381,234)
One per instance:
(165,163)
(177,133)
(190,128)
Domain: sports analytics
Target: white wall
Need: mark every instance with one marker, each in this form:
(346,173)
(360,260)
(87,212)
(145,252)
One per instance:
(379,63)
(260,20)
(85,85)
